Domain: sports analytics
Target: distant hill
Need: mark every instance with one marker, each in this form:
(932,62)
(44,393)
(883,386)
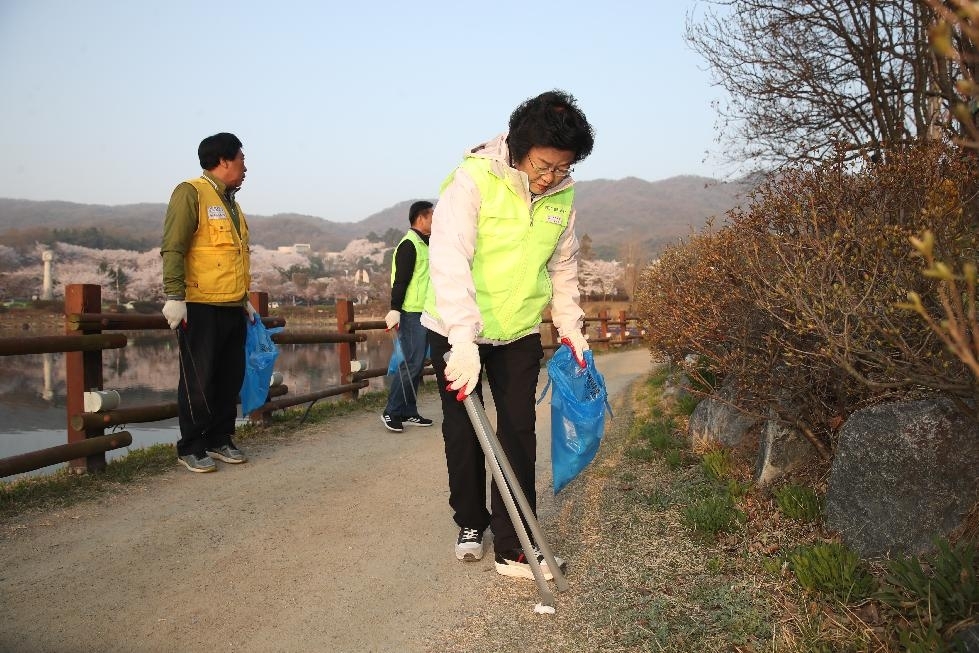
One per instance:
(613,212)
(610,212)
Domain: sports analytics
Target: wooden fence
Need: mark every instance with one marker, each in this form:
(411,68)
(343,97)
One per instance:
(85,338)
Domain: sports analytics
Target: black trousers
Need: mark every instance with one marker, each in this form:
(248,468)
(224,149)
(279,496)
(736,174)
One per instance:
(212,367)
(512,371)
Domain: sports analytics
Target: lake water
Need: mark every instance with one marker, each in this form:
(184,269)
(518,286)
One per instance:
(32,388)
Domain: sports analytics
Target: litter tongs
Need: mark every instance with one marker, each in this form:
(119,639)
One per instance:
(509,487)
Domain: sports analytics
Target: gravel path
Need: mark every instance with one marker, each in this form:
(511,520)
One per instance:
(338,540)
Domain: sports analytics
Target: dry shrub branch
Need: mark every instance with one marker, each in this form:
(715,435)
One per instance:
(799,295)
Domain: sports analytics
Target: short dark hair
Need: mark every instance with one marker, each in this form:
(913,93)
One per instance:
(417,209)
(217,147)
(551,119)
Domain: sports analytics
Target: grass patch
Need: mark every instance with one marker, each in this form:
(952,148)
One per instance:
(798,502)
(642,454)
(674,459)
(687,403)
(713,515)
(833,569)
(659,435)
(698,558)
(716,464)
(65,488)
(936,595)
(658,378)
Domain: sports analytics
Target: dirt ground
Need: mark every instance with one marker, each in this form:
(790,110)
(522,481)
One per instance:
(340,539)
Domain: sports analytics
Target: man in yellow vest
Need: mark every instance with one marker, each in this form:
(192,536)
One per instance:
(409,287)
(503,247)
(205,280)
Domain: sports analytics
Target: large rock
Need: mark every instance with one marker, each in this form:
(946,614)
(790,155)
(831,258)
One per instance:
(781,449)
(716,418)
(675,387)
(903,473)
(969,639)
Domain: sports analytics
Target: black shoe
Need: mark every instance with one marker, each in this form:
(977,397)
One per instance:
(514,563)
(469,544)
(392,423)
(418,420)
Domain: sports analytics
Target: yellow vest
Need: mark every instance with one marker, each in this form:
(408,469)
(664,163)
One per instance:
(216,266)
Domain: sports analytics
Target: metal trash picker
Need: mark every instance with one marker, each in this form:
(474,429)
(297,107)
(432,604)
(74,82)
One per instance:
(509,487)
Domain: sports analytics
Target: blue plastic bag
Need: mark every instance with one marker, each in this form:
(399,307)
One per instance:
(397,357)
(578,404)
(260,355)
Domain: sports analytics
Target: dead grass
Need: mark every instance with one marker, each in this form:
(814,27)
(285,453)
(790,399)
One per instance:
(640,580)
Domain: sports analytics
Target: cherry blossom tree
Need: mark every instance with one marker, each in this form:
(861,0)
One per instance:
(598,278)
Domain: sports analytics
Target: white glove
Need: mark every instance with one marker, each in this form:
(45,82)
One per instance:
(392,319)
(578,345)
(252,313)
(462,368)
(175,310)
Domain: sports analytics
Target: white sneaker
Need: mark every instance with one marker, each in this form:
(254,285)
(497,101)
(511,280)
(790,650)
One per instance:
(514,563)
(469,544)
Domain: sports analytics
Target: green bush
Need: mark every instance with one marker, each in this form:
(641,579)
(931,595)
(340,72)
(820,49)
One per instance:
(831,568)
(798,502)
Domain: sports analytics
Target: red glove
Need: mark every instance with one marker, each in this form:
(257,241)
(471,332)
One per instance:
(578,346)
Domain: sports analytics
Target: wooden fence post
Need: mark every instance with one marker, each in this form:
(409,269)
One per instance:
(346,351)
(603,327)
(83,372)
(260,300)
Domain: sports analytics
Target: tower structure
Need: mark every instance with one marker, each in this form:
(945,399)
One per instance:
(46,286)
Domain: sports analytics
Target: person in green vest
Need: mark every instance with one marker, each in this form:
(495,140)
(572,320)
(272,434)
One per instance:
(205,281)
(503,248)
(409,286)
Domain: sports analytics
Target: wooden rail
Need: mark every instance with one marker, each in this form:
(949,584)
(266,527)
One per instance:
(84,341)
(96,445)
(57,344)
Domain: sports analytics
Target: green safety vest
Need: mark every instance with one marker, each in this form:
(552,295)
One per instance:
(513,247)
(418,286)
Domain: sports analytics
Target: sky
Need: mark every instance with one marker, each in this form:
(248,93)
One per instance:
(344,108)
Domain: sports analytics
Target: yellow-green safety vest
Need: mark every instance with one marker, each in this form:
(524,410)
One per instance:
(418,286)
(513,247)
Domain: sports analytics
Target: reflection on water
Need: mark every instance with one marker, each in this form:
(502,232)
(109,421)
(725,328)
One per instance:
(32,388)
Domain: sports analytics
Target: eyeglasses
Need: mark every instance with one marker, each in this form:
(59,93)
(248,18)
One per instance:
(559,173)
